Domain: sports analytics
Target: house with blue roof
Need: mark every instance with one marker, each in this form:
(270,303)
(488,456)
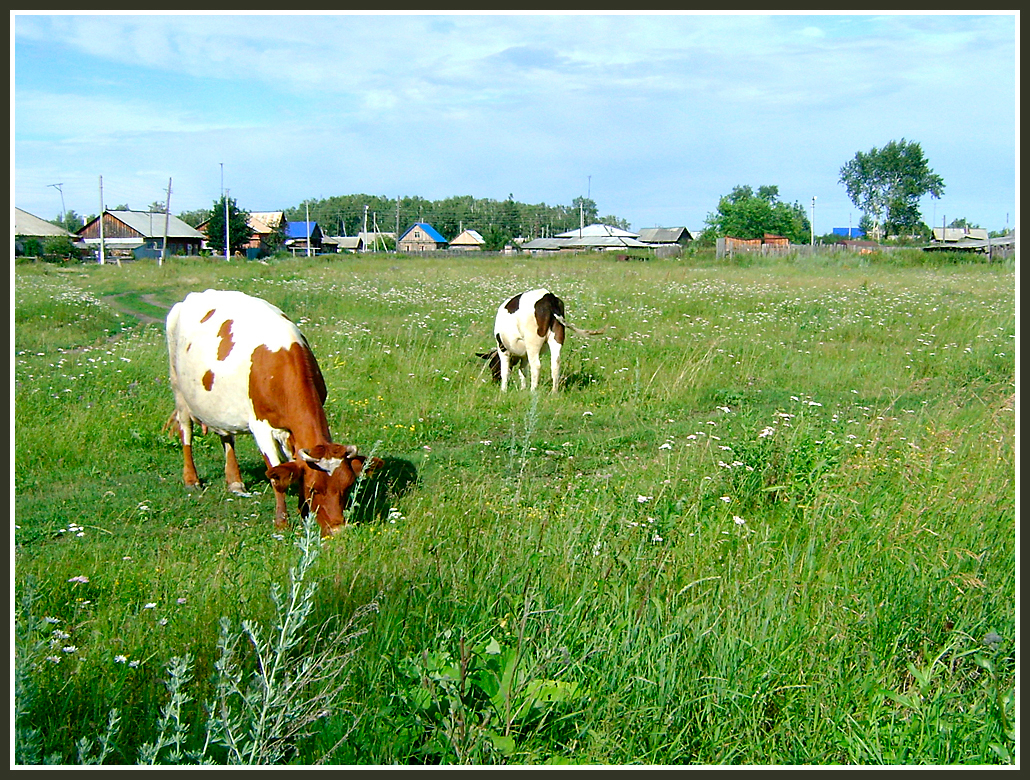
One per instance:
(421,237)
(300,235)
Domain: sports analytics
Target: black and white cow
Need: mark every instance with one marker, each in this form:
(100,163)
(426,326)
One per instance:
(523,325)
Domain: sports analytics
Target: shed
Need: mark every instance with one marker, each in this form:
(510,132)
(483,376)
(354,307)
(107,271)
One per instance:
(665,236)
(421,237)
(956,235)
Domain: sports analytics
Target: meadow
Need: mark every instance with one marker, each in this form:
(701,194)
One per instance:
(769,519)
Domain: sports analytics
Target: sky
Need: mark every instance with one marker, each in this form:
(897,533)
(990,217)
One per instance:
(654,116)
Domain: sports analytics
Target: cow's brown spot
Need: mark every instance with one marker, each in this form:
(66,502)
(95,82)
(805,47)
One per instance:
(287,390)
(513,305)
(208,380)
(207,316)
(225,342)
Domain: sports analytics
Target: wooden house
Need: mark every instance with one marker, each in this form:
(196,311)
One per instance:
(468,240)
(141,233)
(421,237)
(302,235)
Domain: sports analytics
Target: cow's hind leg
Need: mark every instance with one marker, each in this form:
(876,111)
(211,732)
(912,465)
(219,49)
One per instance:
(555,348)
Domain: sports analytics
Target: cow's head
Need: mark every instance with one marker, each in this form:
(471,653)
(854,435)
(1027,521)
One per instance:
(325,474)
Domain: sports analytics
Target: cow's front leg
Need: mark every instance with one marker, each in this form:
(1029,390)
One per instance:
(189,468)
(281,477)
(233,478)
(281,520)
(534,369)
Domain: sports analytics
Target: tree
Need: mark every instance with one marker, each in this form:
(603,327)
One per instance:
(70,221)
(745,213)
(589,210)
(194,217)
(239,230)
(495,238)
(886,184)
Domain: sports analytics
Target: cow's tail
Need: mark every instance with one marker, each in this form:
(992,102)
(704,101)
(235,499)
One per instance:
(579,331)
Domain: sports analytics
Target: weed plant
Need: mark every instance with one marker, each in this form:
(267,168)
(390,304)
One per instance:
(769,519)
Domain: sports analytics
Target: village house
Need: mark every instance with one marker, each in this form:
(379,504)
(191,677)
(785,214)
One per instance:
(29,227)
(141,234)
(468,240)
(300,236)
(596,237)
(421,237)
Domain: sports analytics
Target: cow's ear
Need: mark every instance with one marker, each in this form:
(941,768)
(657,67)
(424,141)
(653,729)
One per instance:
(283,475)
(364,465)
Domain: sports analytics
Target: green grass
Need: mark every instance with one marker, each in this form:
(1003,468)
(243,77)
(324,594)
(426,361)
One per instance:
(769,519)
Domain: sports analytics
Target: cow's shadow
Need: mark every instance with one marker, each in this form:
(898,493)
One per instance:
(371,499)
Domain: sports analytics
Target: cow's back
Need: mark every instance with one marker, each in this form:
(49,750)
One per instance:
(212,337)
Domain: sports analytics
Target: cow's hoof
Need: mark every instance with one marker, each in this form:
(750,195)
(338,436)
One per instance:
(238,489)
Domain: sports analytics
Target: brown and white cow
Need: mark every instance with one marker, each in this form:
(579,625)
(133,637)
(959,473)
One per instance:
(238,364)
(523,325)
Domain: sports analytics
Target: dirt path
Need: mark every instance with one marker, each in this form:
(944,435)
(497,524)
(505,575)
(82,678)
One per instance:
(146,319)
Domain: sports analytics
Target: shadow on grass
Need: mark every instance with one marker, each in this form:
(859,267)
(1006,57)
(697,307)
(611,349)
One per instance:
(371,501)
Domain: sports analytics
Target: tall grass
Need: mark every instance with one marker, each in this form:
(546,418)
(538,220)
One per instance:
(769,519)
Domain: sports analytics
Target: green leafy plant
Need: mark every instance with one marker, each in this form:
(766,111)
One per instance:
(473,698)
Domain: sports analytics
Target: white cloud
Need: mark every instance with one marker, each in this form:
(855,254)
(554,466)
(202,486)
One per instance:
(666,112)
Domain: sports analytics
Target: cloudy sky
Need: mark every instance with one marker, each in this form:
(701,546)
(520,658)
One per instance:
(654,117)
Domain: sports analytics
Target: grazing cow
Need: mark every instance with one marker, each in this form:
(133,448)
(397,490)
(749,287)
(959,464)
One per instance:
(237,364)
(524,324)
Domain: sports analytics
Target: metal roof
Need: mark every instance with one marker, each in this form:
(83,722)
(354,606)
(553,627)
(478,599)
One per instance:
(596,229)
(469,237)
(429,230)
(659,235)
(26,224)
(586,242)
(152,225)
(300,230)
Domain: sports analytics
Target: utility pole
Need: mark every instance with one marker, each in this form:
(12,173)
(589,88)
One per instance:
(307,225)
(225,198)
(100,257)
(64,222)
(813,220)
(164,241)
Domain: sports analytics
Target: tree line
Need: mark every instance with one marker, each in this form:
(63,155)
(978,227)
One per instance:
(885,183)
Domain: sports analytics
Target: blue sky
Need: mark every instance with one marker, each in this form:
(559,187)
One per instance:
(654,116)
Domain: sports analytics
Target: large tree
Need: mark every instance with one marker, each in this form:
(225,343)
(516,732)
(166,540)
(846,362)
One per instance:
(886,184)
(239,230)
(745,213)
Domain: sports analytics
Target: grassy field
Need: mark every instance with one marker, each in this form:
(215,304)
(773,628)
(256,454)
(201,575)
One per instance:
(769,519)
